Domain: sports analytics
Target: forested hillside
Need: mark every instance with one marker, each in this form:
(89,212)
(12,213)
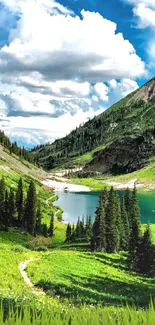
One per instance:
(13,148)
(130,120)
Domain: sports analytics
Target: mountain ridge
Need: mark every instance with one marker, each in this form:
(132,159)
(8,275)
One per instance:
(131,117)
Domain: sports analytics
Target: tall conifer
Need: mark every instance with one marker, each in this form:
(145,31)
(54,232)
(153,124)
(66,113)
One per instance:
(126,228)
(68,233)
(128,204)
(111,229)
(19,202)
(38,218)
(135,228)
(98,241)
(12,208)
(51,228)
(30,209)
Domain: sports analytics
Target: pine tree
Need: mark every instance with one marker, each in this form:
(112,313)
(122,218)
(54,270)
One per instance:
(20,202)
(2,201)
(68,233)
(88,227)
(98,241)
(82,228)
(38,219)
(73,236)
(126,230)
(128,205)
(111,228)
(78,229)
(104,197)
(12,208)
(51,228)
(135,228)
(30,209)
(145,255)
(119,223)
(44,230)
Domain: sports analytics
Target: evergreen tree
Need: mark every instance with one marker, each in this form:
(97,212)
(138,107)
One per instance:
(128,205)
(30,209)
(68,233)
(2,201)
(88,227)
(111,228)
(12,209)
(145,255)
(104,197)
(82,228)
(78,229)
(119,223)
(98,241)
(126,230)
(20,202)
(44,230)
(135,228)
(38,219)
(73,235)
(51,228)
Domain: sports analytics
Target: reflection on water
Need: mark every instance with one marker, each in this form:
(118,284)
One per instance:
(84,204)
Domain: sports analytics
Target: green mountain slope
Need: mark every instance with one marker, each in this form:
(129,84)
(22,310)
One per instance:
(111,142)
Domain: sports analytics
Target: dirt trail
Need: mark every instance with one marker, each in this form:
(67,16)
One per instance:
(50,198)
(22,269)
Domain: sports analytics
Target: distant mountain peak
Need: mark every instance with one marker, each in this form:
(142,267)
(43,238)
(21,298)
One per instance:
(146,92)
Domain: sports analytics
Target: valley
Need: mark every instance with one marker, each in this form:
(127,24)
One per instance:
(78,261)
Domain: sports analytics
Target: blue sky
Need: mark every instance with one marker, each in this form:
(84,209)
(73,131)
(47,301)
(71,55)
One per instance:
(63,62)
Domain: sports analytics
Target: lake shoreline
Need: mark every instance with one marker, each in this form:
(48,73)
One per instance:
(83,204)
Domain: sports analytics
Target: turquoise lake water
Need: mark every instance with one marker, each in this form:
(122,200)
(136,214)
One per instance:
(85,203)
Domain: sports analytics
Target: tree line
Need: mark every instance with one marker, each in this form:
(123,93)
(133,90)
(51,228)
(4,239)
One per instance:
(22,209)
(102,129)
(82,231)
(13,148)
(117,228)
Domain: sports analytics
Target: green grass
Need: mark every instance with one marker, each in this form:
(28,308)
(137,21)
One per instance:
(12,252)
(87,157)
(91,278)
(93,183)
(70,315)
(146,176)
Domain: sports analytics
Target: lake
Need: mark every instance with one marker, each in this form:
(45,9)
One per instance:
(85,203)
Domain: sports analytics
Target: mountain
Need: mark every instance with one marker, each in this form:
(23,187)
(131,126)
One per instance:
(119,140)
(16,162)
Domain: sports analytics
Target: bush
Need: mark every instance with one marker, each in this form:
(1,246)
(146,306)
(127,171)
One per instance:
(41,249)
(17,249)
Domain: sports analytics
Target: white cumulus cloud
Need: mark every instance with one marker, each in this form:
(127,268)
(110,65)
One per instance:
(57,64)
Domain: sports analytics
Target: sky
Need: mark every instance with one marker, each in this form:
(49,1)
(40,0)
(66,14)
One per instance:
(62,63)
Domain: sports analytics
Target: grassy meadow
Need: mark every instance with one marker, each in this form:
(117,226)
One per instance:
(90,278)
(80,287)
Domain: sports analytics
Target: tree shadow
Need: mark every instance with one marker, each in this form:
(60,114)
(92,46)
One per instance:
(97,289)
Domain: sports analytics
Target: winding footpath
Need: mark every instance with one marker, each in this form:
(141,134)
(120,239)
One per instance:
(22,269)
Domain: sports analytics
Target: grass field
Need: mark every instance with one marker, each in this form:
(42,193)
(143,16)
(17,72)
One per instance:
(76,283)
(92,278)
(93,183)
(29,315)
